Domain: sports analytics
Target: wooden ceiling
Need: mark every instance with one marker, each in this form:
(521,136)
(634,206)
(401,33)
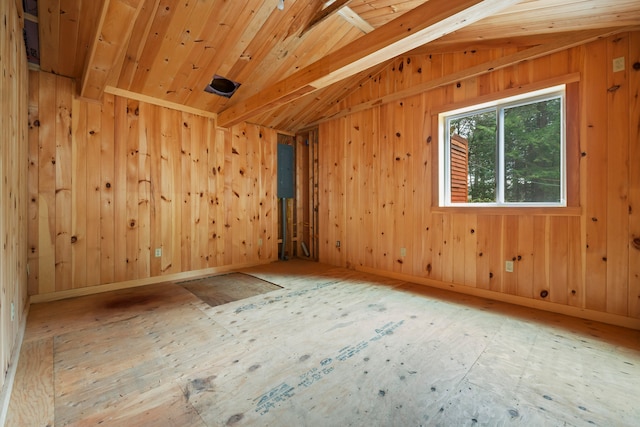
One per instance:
(294,64)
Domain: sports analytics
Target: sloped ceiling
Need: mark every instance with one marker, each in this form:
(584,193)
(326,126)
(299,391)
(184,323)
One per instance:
(296,64)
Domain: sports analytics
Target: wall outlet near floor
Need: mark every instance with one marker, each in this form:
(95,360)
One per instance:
(508,266)
(158,252)
(403,252)
(13,311)
(337,243)
(259,242)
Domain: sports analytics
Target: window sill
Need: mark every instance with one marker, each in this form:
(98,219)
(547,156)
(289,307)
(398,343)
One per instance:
(509,210)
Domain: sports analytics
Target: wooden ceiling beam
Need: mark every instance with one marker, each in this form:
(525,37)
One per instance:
(560,43)
(323,14)
(423,24)
(356,20)
(114,29)
(157,101)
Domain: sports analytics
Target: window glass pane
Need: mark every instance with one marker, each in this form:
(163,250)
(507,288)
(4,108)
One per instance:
(473,157)
(532,159)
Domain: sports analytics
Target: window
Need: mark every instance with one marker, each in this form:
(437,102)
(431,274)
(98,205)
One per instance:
(510,152)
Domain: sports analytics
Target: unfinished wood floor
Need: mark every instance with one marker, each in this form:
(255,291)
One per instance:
(333,347)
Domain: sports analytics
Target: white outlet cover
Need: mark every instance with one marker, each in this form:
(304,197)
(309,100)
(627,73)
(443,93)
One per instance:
(618,64)
(508,266)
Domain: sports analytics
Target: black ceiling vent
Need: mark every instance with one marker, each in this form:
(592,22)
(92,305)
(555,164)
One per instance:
(222,86)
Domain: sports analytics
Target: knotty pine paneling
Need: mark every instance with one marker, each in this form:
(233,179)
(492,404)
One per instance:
(385,158)
(114,181)
(14,152)
(634,178)
(66,29)
(332,192)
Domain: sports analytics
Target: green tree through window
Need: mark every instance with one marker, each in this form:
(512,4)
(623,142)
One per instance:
(532,152)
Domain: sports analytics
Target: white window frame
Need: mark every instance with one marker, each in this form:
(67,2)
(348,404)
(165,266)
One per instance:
(499,105)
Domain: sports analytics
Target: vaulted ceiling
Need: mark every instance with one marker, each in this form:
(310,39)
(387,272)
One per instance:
(294,63)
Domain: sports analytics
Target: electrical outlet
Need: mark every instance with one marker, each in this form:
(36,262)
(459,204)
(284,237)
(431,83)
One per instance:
(508,266)
(618,64)
(13,311)
(158,252)
(259,242)
(403,252)
(337,243)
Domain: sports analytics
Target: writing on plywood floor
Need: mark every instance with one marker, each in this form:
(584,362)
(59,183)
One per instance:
(225,288)
(332,347)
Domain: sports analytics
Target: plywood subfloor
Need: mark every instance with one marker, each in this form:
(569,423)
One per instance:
(332,347)
(226,288)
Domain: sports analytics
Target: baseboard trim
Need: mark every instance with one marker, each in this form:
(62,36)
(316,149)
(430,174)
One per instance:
(583,313)
(7,388)
(90,290)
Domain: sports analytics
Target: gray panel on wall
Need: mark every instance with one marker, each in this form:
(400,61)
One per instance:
(285,171)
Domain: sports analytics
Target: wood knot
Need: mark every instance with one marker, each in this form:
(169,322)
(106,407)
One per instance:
(636,243)
(613,88)
(74,239)
(544,294)
(636,66)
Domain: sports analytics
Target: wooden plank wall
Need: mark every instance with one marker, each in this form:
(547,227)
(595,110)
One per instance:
(110,183)
(64,28)
(376,185)
(13,173)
